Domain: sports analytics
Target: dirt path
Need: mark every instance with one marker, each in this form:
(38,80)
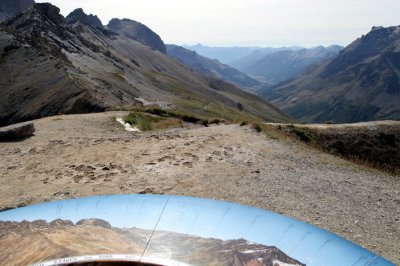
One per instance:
(81,155)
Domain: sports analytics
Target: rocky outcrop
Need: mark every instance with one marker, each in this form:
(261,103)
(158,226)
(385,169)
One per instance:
(17,131)
(50,11)
(138,32)
(79,15)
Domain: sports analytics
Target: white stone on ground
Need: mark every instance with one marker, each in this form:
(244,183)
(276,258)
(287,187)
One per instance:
(127,126)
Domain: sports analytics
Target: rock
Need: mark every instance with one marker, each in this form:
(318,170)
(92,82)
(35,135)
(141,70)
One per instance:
(138,32)
(49,11)
(17,131)
(79,15)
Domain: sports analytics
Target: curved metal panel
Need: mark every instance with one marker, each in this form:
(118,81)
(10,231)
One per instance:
(168,230)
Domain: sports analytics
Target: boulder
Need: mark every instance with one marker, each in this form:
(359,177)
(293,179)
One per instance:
(17,131)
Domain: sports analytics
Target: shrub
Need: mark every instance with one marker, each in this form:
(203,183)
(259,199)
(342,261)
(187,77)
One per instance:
(142,121)
(257,127)
(147,122)
(302,134)
(216,121)
(205,123)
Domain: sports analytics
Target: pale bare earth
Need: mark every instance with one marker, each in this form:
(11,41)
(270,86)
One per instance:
(82,155)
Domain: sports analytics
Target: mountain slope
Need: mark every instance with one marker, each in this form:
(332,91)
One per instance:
(282,65)
(51,68)
(362,83)
(211,67)
(11,8)
(138,32)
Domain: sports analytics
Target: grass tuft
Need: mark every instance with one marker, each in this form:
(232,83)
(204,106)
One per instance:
(257,127)
(155,118)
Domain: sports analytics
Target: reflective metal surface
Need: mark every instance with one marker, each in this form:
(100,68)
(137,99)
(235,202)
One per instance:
(168,230)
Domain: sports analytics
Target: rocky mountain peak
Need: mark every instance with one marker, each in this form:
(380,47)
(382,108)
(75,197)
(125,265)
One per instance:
(138,32)
(377,42)
(360,84)
(42,17)
(49,11)
(79,15)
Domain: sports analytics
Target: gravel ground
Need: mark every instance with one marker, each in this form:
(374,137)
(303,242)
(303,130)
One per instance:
(81,155)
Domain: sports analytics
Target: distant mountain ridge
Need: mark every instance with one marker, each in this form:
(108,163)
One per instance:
(251,58)
(282,65)
(362,83)
(222,54)
(269,65)
(211,67)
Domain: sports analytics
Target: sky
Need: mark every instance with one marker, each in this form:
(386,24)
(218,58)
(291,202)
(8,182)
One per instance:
(273,23)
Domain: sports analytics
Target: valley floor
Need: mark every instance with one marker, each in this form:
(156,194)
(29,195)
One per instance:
(81,155)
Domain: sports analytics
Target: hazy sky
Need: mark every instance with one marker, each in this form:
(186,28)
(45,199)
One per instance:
(248,22)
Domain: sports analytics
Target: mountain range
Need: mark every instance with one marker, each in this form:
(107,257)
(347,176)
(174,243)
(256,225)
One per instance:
(282,65)
(211,67)
(362,83)
(223,54)
(62,238)
(269,65)
(54,65)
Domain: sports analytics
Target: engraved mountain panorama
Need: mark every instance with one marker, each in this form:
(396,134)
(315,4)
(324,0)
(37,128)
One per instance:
(62,238)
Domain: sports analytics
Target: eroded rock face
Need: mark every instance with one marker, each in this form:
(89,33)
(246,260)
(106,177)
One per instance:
(50,11)
(17,131)
(138,32)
